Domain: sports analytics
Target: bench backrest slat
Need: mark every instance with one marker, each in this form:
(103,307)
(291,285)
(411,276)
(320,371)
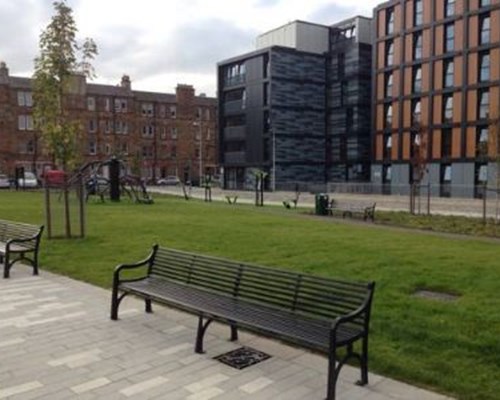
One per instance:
(321,297)
(17,230)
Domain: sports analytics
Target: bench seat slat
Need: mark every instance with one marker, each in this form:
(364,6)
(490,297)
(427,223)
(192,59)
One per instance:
(245,312)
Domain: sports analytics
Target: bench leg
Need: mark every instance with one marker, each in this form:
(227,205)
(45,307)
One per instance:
(202,327)
(115,301)
(6,266)
(332,375)
(149,308)
(364,363)
(35,263)
(234,332)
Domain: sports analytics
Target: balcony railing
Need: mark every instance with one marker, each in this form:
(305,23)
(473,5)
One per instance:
(234,80)
(234,133)
(233,106)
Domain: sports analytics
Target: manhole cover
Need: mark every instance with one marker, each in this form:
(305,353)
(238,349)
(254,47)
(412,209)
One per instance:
(434,295)
(242,357)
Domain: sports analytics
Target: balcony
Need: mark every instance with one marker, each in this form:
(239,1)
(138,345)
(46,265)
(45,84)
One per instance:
(235,133)
(233,106)
(234,157)
(235,80)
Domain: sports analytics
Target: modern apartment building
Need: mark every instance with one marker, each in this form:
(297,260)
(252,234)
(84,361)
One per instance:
(157,134)
(298,107)
(436,94)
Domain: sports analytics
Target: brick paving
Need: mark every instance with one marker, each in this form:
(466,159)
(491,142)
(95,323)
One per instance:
(57,342)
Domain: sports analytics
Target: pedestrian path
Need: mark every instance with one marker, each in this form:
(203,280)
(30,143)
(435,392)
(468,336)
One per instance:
(57,342)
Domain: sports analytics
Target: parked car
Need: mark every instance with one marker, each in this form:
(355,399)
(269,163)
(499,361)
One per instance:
(28,181)
(169,181)
(4,182)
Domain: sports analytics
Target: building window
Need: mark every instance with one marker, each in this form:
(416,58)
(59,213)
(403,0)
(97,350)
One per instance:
(92,125)
(107,104)
(387,174)
(120,105)
(449,8)
(207,111)
(389,26)
(173,111)
(448,108)
(30,147)
(416,112)
(446,173)
(448,73)
(340,65)
(148,130)
(124,148)
(481,175)
(173,132)
(107,149)
(417,45)
(107,126)
(147,109)
(25,122)
(417,79)
(387,146)
(446,142)
(484,104)
(484,67)
(24,99)
(389,82)
(266,95)
(389,52)
(121,127)
(235,74)
(91,103)
(449,37)
(484,29)
(482,134)
(388,115)
(92,148)
(418,12)
(484,3)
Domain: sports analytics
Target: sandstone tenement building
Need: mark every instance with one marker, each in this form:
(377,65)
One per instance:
(157,134)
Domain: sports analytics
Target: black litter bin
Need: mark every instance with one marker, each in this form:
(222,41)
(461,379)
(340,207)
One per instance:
(322,204)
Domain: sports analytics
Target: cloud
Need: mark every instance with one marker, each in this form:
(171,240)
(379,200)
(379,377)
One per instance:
(193,48)
(331,13)
(20,30)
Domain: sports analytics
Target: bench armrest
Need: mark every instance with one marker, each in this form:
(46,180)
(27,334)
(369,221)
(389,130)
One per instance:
(364,308)
(33,238)
(146,262)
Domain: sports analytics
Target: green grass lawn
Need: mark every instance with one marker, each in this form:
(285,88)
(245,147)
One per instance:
(450,347)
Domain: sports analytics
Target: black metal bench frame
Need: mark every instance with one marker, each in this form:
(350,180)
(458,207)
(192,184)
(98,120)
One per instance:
(319,313)
(348,209)
(16,241)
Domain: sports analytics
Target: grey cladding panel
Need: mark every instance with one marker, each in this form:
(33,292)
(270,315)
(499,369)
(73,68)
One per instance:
(298,66)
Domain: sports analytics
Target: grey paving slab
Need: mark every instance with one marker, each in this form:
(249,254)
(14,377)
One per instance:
(57,342)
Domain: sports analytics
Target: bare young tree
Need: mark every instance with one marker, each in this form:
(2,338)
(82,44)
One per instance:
(60,57)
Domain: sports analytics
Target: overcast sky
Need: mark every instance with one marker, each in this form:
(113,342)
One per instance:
(160,43)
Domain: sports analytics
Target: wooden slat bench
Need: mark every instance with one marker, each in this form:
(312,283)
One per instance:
(16,241)
(319,313)
(348,209)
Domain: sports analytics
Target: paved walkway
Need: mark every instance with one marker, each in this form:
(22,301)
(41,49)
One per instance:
(439,205)
(57,342)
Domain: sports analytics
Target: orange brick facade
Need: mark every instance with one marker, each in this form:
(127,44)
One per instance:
(445,75)
(156,134)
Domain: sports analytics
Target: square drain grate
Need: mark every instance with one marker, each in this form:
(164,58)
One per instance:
(242,358)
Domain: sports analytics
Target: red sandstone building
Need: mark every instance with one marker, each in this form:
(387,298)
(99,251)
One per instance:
(157,134)
(437,93)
